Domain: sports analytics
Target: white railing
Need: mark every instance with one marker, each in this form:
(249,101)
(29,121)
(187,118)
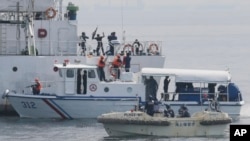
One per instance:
(173,96)
(56,48)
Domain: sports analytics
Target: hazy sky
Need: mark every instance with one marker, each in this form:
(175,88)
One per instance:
(175,17)
(229,12)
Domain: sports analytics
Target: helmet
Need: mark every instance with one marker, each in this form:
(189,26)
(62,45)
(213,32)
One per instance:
(150,97)
(167,106)
(183,106)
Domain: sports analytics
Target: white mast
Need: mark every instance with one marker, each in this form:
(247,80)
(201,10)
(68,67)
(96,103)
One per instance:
(29,29)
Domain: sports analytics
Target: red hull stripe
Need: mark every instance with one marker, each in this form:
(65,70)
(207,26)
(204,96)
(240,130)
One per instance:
(54,108)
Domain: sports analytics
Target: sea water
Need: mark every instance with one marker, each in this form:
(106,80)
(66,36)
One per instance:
(194,46)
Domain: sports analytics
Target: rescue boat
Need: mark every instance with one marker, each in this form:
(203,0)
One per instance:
(139,123)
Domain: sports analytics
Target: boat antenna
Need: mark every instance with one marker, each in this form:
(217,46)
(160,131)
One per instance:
(123,31)
(122,13)
(18,21)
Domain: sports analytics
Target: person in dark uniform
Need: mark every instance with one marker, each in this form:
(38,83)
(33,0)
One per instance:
(168,112)
(83,43)
(79,78)
(211,90)
(149,106)
(99,44)
(126,62)
(166,83)
(84,81)
(111,37)
(151,87)
(183,111)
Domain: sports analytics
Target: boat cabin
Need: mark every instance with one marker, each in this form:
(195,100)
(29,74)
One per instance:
(81,79)
(195,85)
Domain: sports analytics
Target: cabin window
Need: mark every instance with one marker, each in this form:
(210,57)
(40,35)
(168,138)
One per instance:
(70,73)
(91,74)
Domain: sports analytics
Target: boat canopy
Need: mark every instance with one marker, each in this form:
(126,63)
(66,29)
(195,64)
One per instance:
(75,66)
(189,75)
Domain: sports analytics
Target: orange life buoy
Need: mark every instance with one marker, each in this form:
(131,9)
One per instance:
(50,13)
(128,46)
(42,33)
(153,48)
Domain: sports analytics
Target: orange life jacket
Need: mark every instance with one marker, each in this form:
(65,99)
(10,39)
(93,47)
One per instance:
(101,63)
(38,86)
(117,62)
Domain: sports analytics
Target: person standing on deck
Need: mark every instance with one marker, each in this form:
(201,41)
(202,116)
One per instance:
(151,87)
(78,83)
(99,44)
(84,81)
(166,83)
(101,65)
(111,37)
(36,88)
(117,63)
(126,62)
(83,43)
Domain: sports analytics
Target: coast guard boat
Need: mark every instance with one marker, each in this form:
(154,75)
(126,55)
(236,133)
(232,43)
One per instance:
(34,34)
(59,97)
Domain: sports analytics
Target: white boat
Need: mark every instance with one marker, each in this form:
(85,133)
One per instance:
(134,123)
(194,87)
(59,97)
(35,34)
